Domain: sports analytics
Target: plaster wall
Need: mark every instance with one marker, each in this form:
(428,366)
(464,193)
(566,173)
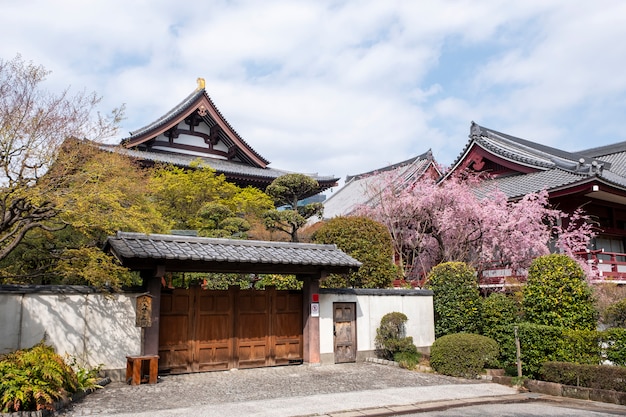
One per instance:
(94,328)
(371,306)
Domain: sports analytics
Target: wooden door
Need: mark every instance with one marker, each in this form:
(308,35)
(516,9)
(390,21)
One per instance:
(206,330)
(344,328)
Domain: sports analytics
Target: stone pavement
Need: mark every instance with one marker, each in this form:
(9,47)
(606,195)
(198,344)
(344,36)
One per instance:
(351,389)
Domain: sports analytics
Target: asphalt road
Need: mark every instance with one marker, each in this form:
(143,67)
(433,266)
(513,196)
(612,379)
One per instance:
(527,409)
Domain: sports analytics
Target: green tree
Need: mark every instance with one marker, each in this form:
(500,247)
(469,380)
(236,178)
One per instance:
(557,294)
(97,193)
(198,199)
(368,242)
(34,123)
(287,191)
(457,302)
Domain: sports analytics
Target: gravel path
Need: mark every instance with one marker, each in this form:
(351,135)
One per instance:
(204,389)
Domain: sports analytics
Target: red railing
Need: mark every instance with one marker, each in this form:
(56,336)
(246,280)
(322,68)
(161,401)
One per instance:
(610,266)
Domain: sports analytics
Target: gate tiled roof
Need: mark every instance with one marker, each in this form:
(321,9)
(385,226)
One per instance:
(142,251)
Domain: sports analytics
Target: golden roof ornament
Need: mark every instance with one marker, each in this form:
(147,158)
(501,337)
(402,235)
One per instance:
(201,84)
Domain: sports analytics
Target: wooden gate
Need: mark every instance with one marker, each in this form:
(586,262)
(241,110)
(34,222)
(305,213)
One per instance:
(344,328)
(206,330)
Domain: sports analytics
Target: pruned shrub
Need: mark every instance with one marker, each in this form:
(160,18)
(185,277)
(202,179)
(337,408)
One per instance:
(33,379)
(589,376)
(463,354)
(456,298)
(393,344)
(540,344)
(557,294)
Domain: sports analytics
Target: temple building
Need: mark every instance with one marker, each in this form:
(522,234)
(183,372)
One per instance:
(358,188)
(195,130)
(593,179)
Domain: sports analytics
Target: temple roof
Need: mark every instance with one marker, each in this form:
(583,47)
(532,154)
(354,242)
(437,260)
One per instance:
(355,191)
(194,130)
(519,167)
(198,101)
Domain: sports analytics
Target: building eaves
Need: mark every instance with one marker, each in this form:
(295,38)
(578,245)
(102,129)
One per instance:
(219,165)
(127,245)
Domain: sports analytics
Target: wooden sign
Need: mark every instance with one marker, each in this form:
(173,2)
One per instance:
(144,311)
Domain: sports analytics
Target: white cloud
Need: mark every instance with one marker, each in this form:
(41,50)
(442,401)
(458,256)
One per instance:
(343,87)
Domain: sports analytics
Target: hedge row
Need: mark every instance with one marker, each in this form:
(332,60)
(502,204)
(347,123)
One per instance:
(589,376)
(540,344)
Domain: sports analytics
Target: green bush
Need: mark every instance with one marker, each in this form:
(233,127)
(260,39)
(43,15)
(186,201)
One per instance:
(615,314)
(33,379)
(614,345)
(366,241)
(540,344)
(557,294)
(457,302)
(498,309)
(590,376)
(463,354)
(391,339)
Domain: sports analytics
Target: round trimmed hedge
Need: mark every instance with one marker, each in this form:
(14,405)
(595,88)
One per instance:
(463,354)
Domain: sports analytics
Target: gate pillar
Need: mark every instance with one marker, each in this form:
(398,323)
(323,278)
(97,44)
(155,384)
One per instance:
(152,282)
(311,323)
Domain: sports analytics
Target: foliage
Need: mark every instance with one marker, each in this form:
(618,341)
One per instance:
(605,295)
(456,298)
(86,377)
(281,282)
(433,222)
(540,344)
(368,242)
(34,123)
(33,379)
(287,191)
(407,359)
(97,193)
(557,294)
(463,354)
(615,314)
(198,199)
(591,376)
(391,337)
(614,345)
(498,309)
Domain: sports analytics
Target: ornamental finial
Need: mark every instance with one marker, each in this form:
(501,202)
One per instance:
(200,84)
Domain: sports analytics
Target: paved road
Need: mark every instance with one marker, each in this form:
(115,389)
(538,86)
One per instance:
(531,409)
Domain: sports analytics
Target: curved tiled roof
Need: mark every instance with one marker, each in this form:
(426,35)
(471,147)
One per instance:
(189,103)
(219,165)
(355,190)
(229,254)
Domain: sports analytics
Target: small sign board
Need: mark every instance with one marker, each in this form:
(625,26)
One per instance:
(315,309)
(144,311)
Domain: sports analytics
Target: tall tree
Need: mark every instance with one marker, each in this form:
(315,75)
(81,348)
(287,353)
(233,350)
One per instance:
(287,191)
(34,122)
(432,222)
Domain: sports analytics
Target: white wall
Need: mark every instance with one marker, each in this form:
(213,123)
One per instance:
(371,306)
(95,328)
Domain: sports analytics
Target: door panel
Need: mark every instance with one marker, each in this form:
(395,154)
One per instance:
(344,326)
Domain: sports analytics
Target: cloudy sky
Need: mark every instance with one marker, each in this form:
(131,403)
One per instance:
(343,87)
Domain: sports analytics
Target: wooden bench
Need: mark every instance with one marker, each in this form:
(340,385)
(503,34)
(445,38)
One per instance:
(134,366)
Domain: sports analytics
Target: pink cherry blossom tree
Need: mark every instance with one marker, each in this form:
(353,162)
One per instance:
(432,222)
